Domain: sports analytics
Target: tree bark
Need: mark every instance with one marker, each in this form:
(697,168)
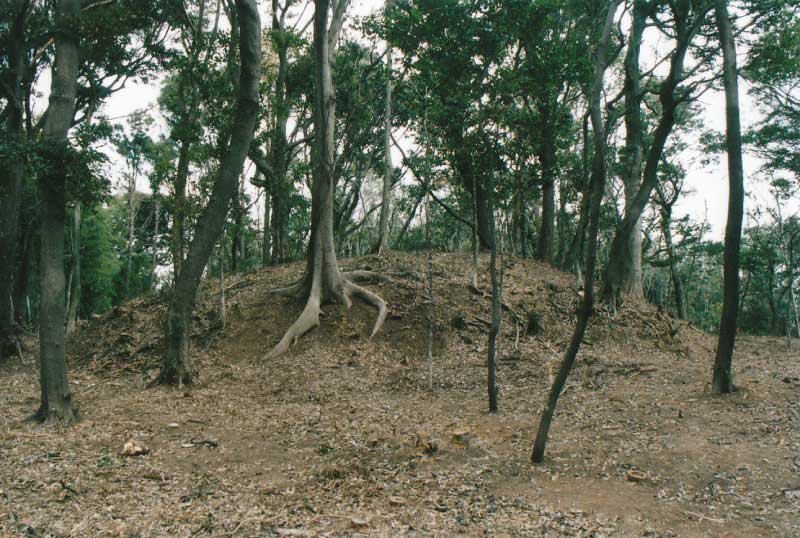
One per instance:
(494,329)
(11,174)
(632,156)
(75,290)
(722,379)
(598,188)
(547,160)
(177,365)
(56,396)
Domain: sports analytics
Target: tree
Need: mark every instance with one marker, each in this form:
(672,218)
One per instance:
(56,396)
(12,168)
(601,61)
(177,364)
(382,243)
(688,18)
(722,379)
(322,281)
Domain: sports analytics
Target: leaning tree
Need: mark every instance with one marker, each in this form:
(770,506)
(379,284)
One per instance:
(177,363)
(323,281)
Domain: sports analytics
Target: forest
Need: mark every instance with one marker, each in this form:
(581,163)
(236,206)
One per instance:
(399,268)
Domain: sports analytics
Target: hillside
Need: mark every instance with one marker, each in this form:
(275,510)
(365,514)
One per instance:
(342,435)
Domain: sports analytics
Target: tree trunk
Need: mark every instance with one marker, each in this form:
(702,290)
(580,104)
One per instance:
(494,330)
(21,300)
(598,188)
(547,160)
(11,174)
(154,268)
(632,156)
(322,281)
(620,269)
(177,365)
(677,286)
(722,382)
(279,147)
(382,243)
(266,243)
(75,290)
(572,260)
(56,396)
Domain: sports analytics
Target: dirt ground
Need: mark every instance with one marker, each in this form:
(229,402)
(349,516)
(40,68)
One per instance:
(342,436)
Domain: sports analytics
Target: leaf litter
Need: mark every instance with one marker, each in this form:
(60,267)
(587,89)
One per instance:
(341,436)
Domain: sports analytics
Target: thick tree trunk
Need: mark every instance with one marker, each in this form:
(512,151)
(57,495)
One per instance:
(632,156)
(56,396)
(322,281)
(382,243)
(722,381)
(75,289)
(598,188)
(11,174)
(177,365)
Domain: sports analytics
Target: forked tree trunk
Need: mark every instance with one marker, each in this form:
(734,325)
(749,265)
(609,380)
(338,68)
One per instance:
(722,381)
(322,281)
(619,269)
(57,401)
(598,188)
(11,174)
(382,243)
(177,365)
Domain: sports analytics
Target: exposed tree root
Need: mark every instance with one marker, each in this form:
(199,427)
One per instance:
(292,291)
(309,317)
(364,276)
(371,299)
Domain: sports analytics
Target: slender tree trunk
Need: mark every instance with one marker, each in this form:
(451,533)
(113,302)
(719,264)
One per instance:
(722,381)
(279,147)
(266,243)
(382,243)
(572,260)
(154,268)
(408,221)
(75,289)
(547,159)
(177,365)
(494,330)
(56,395)
(21,278)
(598,188)
(131,229)
(11,174)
